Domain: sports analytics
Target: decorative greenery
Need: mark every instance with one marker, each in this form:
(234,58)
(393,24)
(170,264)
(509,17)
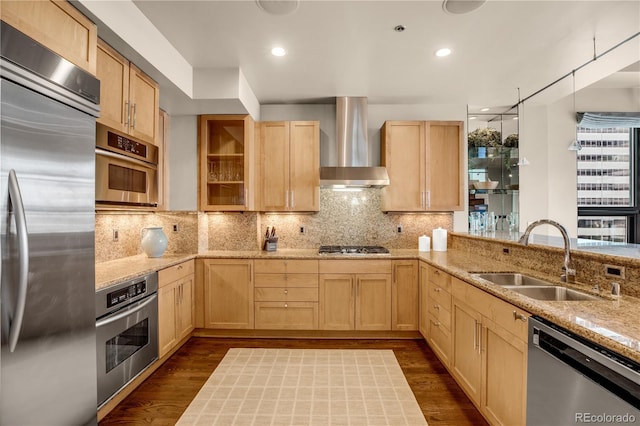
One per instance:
(484,137)
(511,141)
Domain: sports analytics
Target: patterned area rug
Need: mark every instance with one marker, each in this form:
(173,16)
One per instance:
(305,387)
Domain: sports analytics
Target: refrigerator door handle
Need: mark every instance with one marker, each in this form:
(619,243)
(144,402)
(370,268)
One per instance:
(15,198)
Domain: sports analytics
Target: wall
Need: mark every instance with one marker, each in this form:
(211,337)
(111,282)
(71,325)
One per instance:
(183,163)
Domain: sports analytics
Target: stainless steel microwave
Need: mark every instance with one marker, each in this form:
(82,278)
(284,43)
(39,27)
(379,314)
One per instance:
(126,170)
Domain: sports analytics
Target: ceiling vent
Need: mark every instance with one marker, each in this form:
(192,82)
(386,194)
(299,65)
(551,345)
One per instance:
(461,7)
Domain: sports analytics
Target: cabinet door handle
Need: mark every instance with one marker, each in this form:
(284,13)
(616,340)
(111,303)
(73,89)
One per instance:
(246,197)
(475,334)
(436,289)
(422,203)
(436,307)
(293,203)
(286,199)
(519,316)
(286,291)
(133,124)
(179,267)
(127,119)
(479,337)
(286,305)
(437,324)
(428,199)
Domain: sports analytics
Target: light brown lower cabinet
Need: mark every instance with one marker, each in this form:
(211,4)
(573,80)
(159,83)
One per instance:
(175,305)
(355,294)
(286,294)
(404,295)
(489,357)
(228,294)
(437,313)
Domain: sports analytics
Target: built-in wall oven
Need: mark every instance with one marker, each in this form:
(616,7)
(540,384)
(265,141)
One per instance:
(127,332)
(126,170)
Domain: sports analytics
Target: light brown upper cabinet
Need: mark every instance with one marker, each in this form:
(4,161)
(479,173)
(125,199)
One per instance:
(226,152)
(290,165)
(424,160)
(129,99)
(57,25)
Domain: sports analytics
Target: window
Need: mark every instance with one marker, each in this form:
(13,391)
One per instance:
(607,187)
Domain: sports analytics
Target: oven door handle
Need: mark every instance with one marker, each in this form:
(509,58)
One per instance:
(126,312)
(125,158)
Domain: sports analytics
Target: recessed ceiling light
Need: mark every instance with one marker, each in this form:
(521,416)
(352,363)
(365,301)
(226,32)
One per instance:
(460,7)
(515,118)
(473,117)
(445,51)
(485,109)
(278,51)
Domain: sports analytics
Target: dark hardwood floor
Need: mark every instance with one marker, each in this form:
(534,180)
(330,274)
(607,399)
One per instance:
(164,396)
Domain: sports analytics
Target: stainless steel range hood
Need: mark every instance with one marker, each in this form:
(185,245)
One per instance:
(349,164)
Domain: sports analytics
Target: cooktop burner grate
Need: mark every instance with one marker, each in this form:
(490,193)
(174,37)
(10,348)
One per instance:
(352,250)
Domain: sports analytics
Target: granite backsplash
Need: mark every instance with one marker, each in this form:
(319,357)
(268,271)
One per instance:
(345,218)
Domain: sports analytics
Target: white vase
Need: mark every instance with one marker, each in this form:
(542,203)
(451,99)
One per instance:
(154,241)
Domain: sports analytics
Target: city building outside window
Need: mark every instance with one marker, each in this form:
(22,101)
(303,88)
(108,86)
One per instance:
(607,184)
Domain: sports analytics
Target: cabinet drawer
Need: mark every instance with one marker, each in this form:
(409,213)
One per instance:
(286,316)
(286,280)
(473,296)
(286,294)
(283,266)
(173,273)
(362,266)
(439,296)
(440,278)
(511,318)
(439,340)
(440,314)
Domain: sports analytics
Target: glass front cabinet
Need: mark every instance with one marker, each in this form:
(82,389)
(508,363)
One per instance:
(226,151)
(493,142)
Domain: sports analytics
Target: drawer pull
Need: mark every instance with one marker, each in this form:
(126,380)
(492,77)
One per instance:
(436,307)
(519,316)
(286,292)
(286,305)
(179,267)
(437,290)
(437,324)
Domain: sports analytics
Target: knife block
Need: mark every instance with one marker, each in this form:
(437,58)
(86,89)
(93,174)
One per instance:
(270,244)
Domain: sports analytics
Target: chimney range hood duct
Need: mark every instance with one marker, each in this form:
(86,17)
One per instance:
(349,166)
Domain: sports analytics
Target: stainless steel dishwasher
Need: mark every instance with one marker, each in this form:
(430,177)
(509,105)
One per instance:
(573,381)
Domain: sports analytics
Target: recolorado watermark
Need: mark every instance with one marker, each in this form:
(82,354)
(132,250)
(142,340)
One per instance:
(604,418)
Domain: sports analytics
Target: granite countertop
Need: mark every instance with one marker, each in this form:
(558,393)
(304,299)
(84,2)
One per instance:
(610,322)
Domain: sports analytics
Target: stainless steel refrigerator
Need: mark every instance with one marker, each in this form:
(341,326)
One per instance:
(47,173)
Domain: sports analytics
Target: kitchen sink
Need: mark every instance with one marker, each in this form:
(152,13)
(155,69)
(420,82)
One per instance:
(512,279)
(552,293)
(534,288)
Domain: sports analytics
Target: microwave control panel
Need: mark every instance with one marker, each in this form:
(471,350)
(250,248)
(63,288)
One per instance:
(127,145)
(125,294)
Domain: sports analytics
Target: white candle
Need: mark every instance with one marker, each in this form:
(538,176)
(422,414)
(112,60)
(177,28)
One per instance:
(439,239)
(424,243)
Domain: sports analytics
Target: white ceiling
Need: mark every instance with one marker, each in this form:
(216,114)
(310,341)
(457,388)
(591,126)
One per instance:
(338,48)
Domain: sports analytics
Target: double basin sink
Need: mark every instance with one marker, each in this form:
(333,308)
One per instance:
(535,288)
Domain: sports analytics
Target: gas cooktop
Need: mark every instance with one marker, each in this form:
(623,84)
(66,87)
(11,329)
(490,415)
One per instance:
(353,250)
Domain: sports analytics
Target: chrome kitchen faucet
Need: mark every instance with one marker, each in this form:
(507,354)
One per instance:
(569,274)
